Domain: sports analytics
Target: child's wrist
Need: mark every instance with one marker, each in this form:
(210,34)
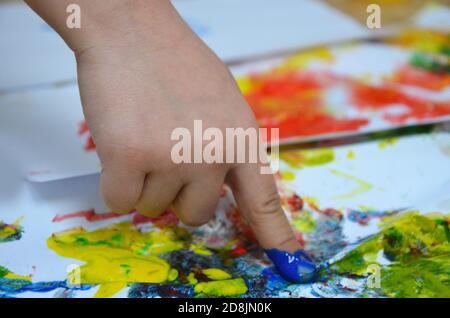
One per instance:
(127,25)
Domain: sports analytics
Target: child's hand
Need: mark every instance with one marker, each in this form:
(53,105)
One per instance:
(143,73)
(134,95)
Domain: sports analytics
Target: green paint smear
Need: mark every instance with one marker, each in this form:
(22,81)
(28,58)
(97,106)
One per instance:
(428,63)
(10,232)
(419,248)
(304,221)
(3,271)
(314,157)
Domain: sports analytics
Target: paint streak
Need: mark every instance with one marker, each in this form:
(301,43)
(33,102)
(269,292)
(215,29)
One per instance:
(10,232)
(361,185)
(168,218)
(364,217)
(418,247)
(88,215)
(7,274)
(314,157)
(414,76)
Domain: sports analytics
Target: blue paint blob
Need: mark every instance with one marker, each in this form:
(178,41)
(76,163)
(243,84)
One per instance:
(295,267)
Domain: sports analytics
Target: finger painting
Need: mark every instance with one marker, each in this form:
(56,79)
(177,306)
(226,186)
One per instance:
(378,228)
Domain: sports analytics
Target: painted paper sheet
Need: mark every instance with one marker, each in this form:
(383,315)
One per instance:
(382,207)
(352,88)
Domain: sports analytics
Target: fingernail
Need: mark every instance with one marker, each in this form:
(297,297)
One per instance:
(294,267)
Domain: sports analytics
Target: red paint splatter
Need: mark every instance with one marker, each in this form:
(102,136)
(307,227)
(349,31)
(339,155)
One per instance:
(413,76)
(384,96)
(294,103)
(83,130)
(241,225)
(327,211)
(238,251)
(294,202)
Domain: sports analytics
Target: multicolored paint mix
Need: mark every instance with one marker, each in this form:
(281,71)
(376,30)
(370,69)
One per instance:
(10,282)
(10,232)
(295,95)
(159,257)
(162,258)
(417,250)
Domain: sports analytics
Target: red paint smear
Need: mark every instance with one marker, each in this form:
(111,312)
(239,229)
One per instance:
(327,211)
(381,97)
(413,76)
(88,215)
(168,218)
(293,102)
(241,225)
(238,251)
(84,130)
(294,202)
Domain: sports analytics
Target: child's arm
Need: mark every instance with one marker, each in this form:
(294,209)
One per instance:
(142,72)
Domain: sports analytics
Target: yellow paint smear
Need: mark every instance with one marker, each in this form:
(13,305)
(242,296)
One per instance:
(387,142)
(303,59)
(228,287)
(201,250)
(117,255)
(361,185)
(11,275)
(287,175)
(216,273)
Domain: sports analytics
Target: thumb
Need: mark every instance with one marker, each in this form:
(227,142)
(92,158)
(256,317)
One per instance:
(257,197)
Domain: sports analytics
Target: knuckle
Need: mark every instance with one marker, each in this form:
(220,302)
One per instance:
(121,202)
(191,220)
(269,206)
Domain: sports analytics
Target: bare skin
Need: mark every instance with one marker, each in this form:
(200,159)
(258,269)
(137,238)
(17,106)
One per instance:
(142,72)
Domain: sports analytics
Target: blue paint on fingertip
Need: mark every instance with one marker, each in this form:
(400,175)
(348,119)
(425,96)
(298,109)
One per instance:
(294,267)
